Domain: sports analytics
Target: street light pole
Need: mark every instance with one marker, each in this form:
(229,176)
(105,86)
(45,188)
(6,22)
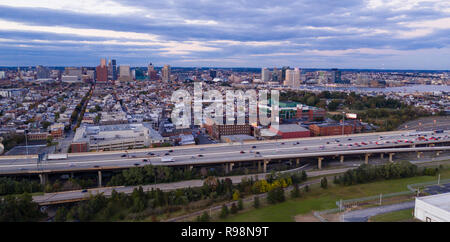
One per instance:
(26,141)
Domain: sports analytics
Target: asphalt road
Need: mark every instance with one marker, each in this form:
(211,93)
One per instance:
(79,194)
(214,152)
(362,215)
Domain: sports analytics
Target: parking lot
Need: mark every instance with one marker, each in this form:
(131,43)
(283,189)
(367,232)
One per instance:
(437,189)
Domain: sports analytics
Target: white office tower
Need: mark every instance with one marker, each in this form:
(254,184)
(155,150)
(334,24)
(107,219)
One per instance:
(124,73)
(265,74)
(289,78)
(296,78)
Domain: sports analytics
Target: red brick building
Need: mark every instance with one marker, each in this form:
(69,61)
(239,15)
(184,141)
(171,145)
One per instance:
(288,131)
(102,73)
(330,129)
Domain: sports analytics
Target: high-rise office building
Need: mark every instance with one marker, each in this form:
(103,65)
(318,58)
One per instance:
(42,72)
(151,73)
(265,74)
(335,75)
(283,73)
(276,75)
(101,72)
(212,73)
(124,73)
(165,73)
(114,69)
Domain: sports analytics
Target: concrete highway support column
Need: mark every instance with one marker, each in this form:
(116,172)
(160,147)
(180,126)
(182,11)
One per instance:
(366,159)
(265,162)
(226,168)
(419,154)
(390,157)
(342,159)
(438,153)
(297,161)
(319,162)
(99,178)
(43,178)
(413,146)
(381,155)
(259,166)
(231,166)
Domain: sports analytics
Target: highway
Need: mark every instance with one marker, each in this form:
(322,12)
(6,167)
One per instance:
(225,152)
(77,195)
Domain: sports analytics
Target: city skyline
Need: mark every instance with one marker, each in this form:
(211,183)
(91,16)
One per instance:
(308,34)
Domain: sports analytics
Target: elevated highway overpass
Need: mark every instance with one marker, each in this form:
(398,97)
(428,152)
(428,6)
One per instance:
(228,154)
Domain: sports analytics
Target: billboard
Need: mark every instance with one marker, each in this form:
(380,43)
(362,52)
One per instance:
(351,115)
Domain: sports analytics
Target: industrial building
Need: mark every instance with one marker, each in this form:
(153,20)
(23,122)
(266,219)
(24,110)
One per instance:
(288,131)
(435,208)
(114,137)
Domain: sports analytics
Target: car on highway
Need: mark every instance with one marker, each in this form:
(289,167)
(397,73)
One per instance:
(83,191)
(133,156)
(144,160)
(349,139)
(150,153)
(322,147)
(242,152)
(298,143)
(257,152)
(363,143)
(200,155)
(306,148)
(170,150)
(282,143)
(123,155)
(328,143)
(337,140)
(166,154)
(253,147)
(136,164)
(71,164)
(96,166)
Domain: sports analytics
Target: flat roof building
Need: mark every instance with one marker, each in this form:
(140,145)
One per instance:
(115,137)
(435,208)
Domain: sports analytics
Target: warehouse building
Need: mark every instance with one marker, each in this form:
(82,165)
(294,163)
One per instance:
(114,137)
(289,131)
(435,208)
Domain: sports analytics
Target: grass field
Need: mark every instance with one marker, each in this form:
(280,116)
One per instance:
(397,216)
(321,199)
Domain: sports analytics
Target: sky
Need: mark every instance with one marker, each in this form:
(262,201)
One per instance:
(375,34)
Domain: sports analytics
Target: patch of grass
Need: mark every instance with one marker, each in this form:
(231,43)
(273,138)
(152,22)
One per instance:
(320,199)
(397,216)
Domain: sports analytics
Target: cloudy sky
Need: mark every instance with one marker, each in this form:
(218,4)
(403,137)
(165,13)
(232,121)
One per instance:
(401,34)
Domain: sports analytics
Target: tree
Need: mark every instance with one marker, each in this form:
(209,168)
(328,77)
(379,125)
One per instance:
(324,183)
(236,195)
(61,214)
(295,192)
(224,212)
(233,209)
(304,175)
(240,204)
(306,188)
(256,202)
(204,217)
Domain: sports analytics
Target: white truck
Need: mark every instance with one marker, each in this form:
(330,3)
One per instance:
(56,156)
(167,159)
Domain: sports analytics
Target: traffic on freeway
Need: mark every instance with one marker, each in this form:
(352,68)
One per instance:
(222,152)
